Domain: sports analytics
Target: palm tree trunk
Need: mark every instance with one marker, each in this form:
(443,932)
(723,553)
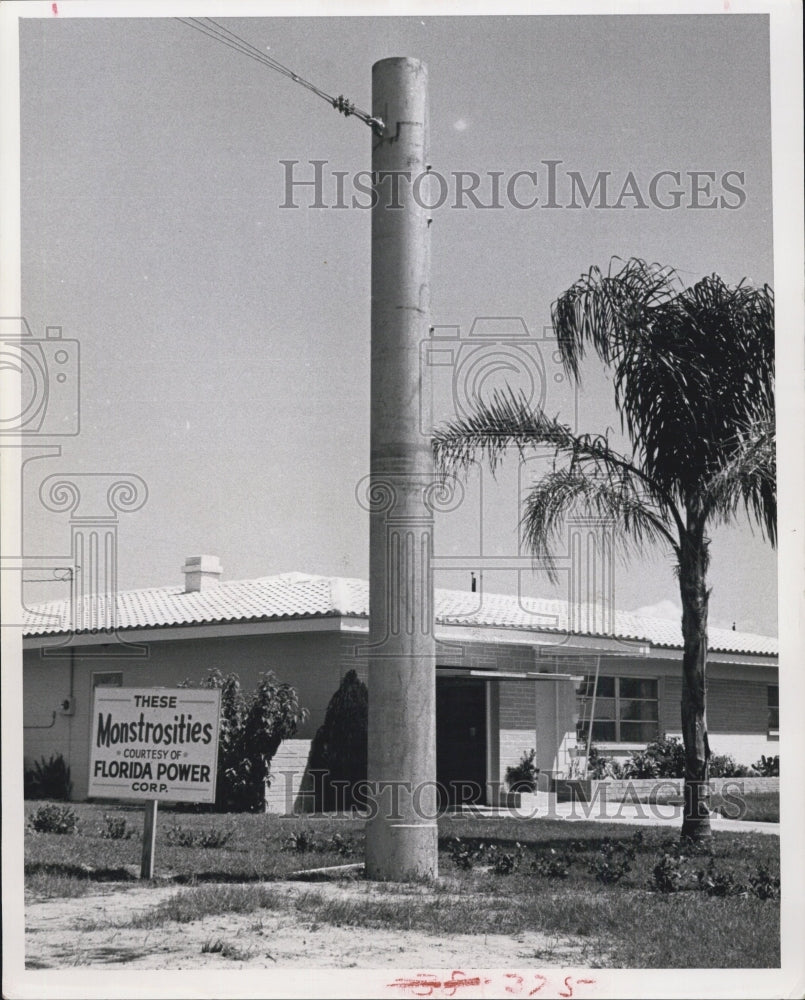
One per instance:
(695,597)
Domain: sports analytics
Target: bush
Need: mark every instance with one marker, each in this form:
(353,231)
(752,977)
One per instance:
(613,861)
(724,766)
(48,779)
(764,883)
(251,731)
(54,819)
(663,758)
(115,828)
(668,874)
(552,865)
(504,862)
(600,766)
(768,767)
(522,777)
(720,883)
(464,855)
(339,750)
(182,836)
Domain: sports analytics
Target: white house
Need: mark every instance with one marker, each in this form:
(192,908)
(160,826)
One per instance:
(512,673)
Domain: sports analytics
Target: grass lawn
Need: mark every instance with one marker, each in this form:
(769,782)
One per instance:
(497,875)
(758,807)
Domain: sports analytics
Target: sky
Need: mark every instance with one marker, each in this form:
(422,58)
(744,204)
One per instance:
(224,339)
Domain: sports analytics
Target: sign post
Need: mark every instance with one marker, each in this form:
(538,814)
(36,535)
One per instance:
(149,839)
(154,744)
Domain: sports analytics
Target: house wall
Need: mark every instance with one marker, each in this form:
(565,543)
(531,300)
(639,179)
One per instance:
(309,661)
(522,713)
(737,713)
(737,707)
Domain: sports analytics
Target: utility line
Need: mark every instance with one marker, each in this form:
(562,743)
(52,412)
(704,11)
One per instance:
(227,37)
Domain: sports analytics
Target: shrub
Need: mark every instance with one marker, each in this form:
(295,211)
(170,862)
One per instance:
(504,862)
(522,776)
(182,836)
(764,883)
(301,841)
(213,838)
(600,766)
(340,747)
(464,855)
(54,819)
(613,861)
(48,779)
(662,758)
(115,828)
(768,767)
(668,874)
(552,865)
(719,883)
(724,766)
(251,731)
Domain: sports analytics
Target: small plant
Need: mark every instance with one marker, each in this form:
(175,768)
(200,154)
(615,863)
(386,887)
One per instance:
(48,779)
(182,836)
(339,845)
(217,946)
(552,865)
(301,841)
(522,777)
(720,884)
(179,836)
(115,828)
(600,766)
(54,819)
(764,883)
(213,838)
(504,862)
(668,874)
(464,855)
(613,861)
(768,767)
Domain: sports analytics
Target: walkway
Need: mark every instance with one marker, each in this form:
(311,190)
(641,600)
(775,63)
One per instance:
(543,805)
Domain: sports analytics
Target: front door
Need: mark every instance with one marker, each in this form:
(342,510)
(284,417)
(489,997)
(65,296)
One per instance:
(461,740)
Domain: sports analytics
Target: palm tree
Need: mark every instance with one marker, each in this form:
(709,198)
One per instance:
(693,373)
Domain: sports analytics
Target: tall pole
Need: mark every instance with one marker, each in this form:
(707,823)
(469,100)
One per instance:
(401,833)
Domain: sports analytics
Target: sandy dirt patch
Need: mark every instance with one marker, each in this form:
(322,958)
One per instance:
(86,932)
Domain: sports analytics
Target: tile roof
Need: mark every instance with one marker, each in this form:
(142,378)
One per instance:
(299,595)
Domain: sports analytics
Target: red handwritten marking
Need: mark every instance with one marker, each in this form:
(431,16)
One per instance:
(452,984)
(538,988)
(422,983)
(55,8)
(426,983)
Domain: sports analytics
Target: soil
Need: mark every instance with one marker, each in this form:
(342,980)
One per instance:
(87,931)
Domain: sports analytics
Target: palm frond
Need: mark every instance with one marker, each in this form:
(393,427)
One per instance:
(689,365)
(633,520)
(748,476)
(508,422)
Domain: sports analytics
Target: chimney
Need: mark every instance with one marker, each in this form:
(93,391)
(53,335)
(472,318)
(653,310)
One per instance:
(201,573)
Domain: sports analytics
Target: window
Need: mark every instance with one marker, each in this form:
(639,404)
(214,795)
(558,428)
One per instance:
(626,710)
(773,701)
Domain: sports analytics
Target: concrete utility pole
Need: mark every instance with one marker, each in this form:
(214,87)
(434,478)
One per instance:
(401,839)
